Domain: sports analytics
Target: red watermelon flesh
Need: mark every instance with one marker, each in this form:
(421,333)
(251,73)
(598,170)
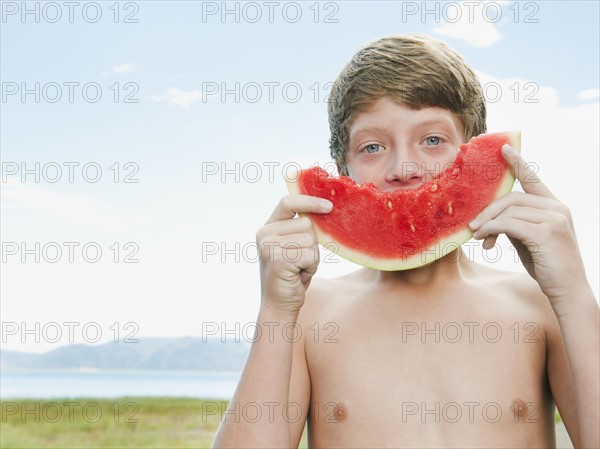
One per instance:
(408,228)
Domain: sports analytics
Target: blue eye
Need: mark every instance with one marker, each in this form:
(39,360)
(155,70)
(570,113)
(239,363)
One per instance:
(373,148)
(432,141)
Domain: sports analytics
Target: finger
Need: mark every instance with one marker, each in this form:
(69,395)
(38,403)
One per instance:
(528,214)
(310,269)
(292,204)
(526,173)
(290,226)
(305,277)
(295,254)
(523,251)
(513,199)
(309,264)
(294,242)
(282,245)
(512,227)
(489,242)
(303,260)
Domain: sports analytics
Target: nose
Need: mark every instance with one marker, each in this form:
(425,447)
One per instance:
(404,169)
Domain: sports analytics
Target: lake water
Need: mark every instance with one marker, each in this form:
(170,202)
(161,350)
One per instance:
(110,384)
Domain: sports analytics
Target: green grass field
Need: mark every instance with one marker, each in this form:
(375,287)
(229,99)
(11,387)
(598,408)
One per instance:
(112,423)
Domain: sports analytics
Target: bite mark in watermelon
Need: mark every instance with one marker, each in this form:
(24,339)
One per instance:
(409,228)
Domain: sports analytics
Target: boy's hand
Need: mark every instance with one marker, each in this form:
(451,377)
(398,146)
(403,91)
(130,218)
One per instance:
(289,252)
(540,228)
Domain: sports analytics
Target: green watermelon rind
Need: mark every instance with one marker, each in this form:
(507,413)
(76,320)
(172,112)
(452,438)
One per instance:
(439,249)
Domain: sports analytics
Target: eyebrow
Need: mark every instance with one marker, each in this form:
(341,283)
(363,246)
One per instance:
(368,129)
(435,121)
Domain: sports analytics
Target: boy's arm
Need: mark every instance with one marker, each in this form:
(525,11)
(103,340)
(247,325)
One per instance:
(579,325)
(275,374)
(541,229)
(560,377)
(273,386)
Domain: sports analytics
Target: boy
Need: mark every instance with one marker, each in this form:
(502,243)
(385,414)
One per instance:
(371,366)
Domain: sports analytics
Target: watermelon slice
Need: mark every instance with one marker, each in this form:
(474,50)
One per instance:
(409,228)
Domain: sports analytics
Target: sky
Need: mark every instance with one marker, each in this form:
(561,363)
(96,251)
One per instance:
(144,143)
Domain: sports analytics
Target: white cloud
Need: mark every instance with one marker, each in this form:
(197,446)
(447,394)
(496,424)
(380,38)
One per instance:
(123,68)
(73,208)
(514,101)
(552,140)
(120,69)
(174,96)
(589,94)
(472,23)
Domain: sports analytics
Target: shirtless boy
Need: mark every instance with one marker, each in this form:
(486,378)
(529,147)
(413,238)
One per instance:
(452,354)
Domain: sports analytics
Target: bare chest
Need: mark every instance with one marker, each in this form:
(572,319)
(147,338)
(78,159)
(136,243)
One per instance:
(431,373)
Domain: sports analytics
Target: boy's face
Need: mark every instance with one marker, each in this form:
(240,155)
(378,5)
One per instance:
(394,146)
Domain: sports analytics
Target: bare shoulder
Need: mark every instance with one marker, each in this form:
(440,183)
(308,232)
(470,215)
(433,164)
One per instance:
(320,287)
(519,285)
(325,296)
(520,294)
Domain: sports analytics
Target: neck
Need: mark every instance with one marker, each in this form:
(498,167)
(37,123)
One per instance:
(453,265)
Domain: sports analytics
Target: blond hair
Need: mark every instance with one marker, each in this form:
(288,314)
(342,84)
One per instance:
(413,69)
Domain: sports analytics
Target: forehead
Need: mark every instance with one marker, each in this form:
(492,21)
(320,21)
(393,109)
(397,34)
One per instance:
(385,114)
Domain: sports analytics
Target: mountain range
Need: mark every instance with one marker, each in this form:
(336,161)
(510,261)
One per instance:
(155,354)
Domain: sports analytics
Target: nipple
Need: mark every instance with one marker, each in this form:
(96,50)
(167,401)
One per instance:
(519,408)
(340,412)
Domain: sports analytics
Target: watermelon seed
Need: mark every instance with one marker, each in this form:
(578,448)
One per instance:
(450,208)
(390,204)
(332,192)
(412,228)
(434,187)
